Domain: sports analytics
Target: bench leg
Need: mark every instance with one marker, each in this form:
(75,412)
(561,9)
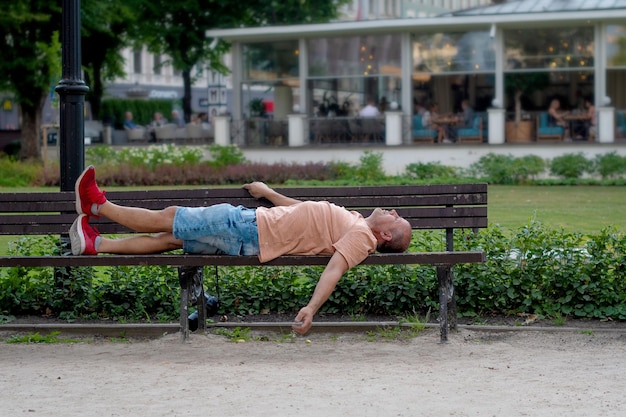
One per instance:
(191,291)
(184,313)
(451,301)
(446,296)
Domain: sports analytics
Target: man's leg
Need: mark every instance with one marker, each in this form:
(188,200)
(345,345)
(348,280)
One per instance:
(92,202)
(86,240)
(136,245)
(140,219)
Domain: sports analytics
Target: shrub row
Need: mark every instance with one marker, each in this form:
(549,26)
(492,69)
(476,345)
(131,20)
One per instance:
(174,165)
(113,110)
(507,169)
(534,270)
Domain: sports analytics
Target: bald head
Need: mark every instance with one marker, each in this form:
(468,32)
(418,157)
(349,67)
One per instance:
(400,238)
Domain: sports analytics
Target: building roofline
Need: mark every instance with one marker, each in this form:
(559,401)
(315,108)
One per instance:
(441,23)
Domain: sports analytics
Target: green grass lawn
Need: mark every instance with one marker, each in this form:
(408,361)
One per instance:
(585,209)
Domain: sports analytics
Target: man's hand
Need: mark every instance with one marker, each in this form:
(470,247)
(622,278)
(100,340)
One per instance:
(305,316)
(336,267)
(257,189)
(260,190)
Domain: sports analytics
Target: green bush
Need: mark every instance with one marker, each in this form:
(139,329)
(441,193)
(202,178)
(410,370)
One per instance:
(571,166)
(430,171)
(14,173)
(610,165)
(498,169)
(527,167)
(370,167)
(532,270)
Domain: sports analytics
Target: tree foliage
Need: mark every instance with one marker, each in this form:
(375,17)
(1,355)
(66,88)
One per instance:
(105,32)
(177,29)
(30,61)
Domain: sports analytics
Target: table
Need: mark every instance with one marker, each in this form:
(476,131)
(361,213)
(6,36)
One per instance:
(448,122)
(581,118)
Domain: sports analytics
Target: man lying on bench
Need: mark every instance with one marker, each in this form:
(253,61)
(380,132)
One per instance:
(291,227)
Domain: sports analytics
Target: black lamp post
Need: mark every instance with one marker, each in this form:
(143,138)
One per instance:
(72,90)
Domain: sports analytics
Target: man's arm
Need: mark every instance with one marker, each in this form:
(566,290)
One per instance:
(259,190)
(333,272)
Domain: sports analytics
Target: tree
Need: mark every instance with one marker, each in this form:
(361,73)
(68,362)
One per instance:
(177,29)
(520,84)
(104,32)
(31,62)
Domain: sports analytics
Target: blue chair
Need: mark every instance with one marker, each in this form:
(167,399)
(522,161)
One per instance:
(420,134)
(620,118)
(548,133)
(472,134)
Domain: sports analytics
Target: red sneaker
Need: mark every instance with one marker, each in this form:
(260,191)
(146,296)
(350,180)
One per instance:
(83,236)
(87,192)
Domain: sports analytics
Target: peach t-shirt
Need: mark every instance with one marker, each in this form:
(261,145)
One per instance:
(312,228)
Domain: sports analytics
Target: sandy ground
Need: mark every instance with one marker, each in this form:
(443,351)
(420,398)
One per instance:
(518,373)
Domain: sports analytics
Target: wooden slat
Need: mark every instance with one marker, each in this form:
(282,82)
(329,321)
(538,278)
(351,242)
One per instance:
(424,206)
(430,258)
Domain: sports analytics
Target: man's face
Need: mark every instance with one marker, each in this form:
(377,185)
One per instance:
(388,217)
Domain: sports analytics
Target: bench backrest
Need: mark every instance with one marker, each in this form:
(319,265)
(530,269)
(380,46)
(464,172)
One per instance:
(446,206)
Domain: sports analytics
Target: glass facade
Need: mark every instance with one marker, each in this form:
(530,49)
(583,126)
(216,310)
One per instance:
(542,64)
(346,72)
(271,78)
(615,37)
(549,49)
(450,67)
(454,52)
(271,60)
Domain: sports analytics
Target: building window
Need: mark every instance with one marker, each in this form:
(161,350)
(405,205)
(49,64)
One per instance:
(271,61)
(347,71)
(451,67)
(552,49)
(454,52)
(616,72)
(137,61)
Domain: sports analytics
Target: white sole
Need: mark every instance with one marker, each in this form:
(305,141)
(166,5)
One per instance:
(79,209)
(77,238)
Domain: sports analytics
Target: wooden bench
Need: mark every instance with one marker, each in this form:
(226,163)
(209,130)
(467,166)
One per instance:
(447,207)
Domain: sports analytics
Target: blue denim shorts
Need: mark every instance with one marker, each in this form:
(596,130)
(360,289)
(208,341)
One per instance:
(219,229)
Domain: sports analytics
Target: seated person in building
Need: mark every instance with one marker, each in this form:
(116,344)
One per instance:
(556,116)
(428,114)
(592,118)
(370,110)
(464,120)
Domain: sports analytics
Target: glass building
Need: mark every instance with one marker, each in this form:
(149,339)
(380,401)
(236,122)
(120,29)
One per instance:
(508,61)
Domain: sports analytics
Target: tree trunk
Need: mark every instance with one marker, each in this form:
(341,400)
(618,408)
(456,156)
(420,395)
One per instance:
(31,127)
(518,106)
(97,90)
(187,94)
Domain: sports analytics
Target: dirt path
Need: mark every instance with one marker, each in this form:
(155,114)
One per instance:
(476,374)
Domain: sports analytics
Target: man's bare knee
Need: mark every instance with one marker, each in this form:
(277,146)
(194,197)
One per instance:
(168,241)
(167,216)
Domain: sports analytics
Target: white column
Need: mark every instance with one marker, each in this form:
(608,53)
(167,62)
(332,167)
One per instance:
(393,128)
(406,93)
(222,130)
(296,129)
(606,125)
(303,61)
(496,126)
(498,40)
(283,101)
(236,77)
